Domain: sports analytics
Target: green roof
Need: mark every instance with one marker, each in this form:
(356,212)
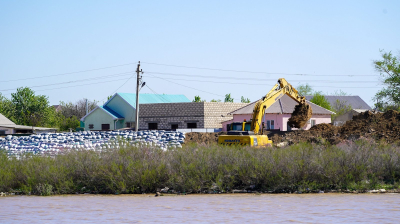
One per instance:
(147,98)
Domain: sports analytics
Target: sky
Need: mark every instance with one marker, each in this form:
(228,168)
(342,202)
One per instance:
(70,50)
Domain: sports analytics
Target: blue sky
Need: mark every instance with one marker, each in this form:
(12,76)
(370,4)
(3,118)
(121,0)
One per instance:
(247,44)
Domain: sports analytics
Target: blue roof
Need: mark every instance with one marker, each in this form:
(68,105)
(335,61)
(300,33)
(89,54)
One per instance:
(114,114)
(146,98)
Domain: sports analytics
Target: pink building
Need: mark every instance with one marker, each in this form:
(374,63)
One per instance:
(278,114)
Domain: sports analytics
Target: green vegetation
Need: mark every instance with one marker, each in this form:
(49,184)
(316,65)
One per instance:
(305,90)
(359,166)
(26,108)
(245,100)
(389,68)
(228,98)
(198,99)
(321,101)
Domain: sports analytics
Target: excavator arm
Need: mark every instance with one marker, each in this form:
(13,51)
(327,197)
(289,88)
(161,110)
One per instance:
(281,88)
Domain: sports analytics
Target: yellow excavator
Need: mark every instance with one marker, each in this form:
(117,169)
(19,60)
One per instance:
(252,133)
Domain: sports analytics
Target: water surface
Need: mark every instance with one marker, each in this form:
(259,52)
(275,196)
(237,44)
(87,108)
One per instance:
(227,208)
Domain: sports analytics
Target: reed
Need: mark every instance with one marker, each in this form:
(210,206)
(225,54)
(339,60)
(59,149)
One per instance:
(359,165)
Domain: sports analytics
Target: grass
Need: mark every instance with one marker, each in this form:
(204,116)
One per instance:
(356,166)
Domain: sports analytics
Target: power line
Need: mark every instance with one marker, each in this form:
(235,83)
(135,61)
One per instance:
(240,83)
(186,86)
(80,80)
(158,95)
(258,79)
(69,73)
(118,88)
(243,71)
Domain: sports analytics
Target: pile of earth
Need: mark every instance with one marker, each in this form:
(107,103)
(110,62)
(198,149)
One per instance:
(202,137)
(378,126)
(301,114)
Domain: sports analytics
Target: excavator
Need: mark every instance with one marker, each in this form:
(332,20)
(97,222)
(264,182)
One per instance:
(252,132)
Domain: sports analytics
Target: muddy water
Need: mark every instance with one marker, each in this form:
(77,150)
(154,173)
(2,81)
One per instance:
(305,208)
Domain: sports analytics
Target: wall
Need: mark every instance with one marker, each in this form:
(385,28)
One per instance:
(120,106)
(280,120)
(7,130)
(205,114)
(97,118)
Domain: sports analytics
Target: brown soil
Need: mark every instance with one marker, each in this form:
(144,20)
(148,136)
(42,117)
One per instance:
(380,126)
(301,114)
(201,137)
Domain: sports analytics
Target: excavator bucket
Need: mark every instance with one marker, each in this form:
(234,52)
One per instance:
(301,114)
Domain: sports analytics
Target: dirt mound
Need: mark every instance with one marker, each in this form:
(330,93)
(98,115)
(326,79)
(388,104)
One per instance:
(378,126)
(201,137)
(301,114)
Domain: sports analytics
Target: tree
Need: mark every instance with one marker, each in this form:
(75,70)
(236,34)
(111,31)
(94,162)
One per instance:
(320,100)
(30,109)
(245,100)
(198,99)
(213,100)
(389,69)
(305,90)
(7,107)
(77,109)
(228,98)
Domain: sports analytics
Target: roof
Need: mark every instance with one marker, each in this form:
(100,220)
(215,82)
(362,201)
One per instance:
(5,121)
(284,105)
(354,101)
(114,114)
(147,98)
(106,109)
(15,126)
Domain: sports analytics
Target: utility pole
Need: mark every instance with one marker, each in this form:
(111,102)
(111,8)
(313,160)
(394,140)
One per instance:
(138,79)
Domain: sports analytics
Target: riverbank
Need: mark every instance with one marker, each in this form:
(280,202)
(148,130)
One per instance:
(355,167)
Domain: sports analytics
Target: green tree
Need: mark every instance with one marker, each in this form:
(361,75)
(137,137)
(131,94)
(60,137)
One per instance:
(305,90)
(7,107)
(320,100)
(228,98)
(213,100)
(245,100)
(198,99)
(30,109)
(389,69)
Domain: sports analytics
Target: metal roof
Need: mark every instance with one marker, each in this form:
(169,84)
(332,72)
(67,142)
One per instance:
(354,101)
(5,121)
(114,114)
(284,105)
(147,98)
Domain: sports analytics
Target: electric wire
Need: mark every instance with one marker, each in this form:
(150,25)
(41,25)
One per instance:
(243,71)
(69,73)
(258,79)
(118,88)
(186,86)
(74,81)
(241,83)
(158,95)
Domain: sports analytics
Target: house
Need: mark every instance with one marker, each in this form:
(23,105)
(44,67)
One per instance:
(158,112)
(57,108)
(277,115)
(200,115)
(9,127)
(341,120)
(119,111)
(355,103)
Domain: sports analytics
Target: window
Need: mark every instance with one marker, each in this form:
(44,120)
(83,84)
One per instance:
(288,127)
(2,132)
(313,123)
(270,124)
(153,126)
(91,126)
(105,126)
(130,124)
(174,126)
(191,125)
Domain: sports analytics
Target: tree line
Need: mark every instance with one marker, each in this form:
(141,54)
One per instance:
(26,108)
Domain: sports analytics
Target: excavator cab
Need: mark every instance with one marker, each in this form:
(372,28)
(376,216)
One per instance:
(239,126)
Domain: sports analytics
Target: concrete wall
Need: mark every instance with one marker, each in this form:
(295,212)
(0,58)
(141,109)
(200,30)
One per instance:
(204,114)
(7,130)
(280,120)
(97,118)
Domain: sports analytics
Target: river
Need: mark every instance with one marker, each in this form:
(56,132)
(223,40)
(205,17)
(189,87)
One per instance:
(226,208)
